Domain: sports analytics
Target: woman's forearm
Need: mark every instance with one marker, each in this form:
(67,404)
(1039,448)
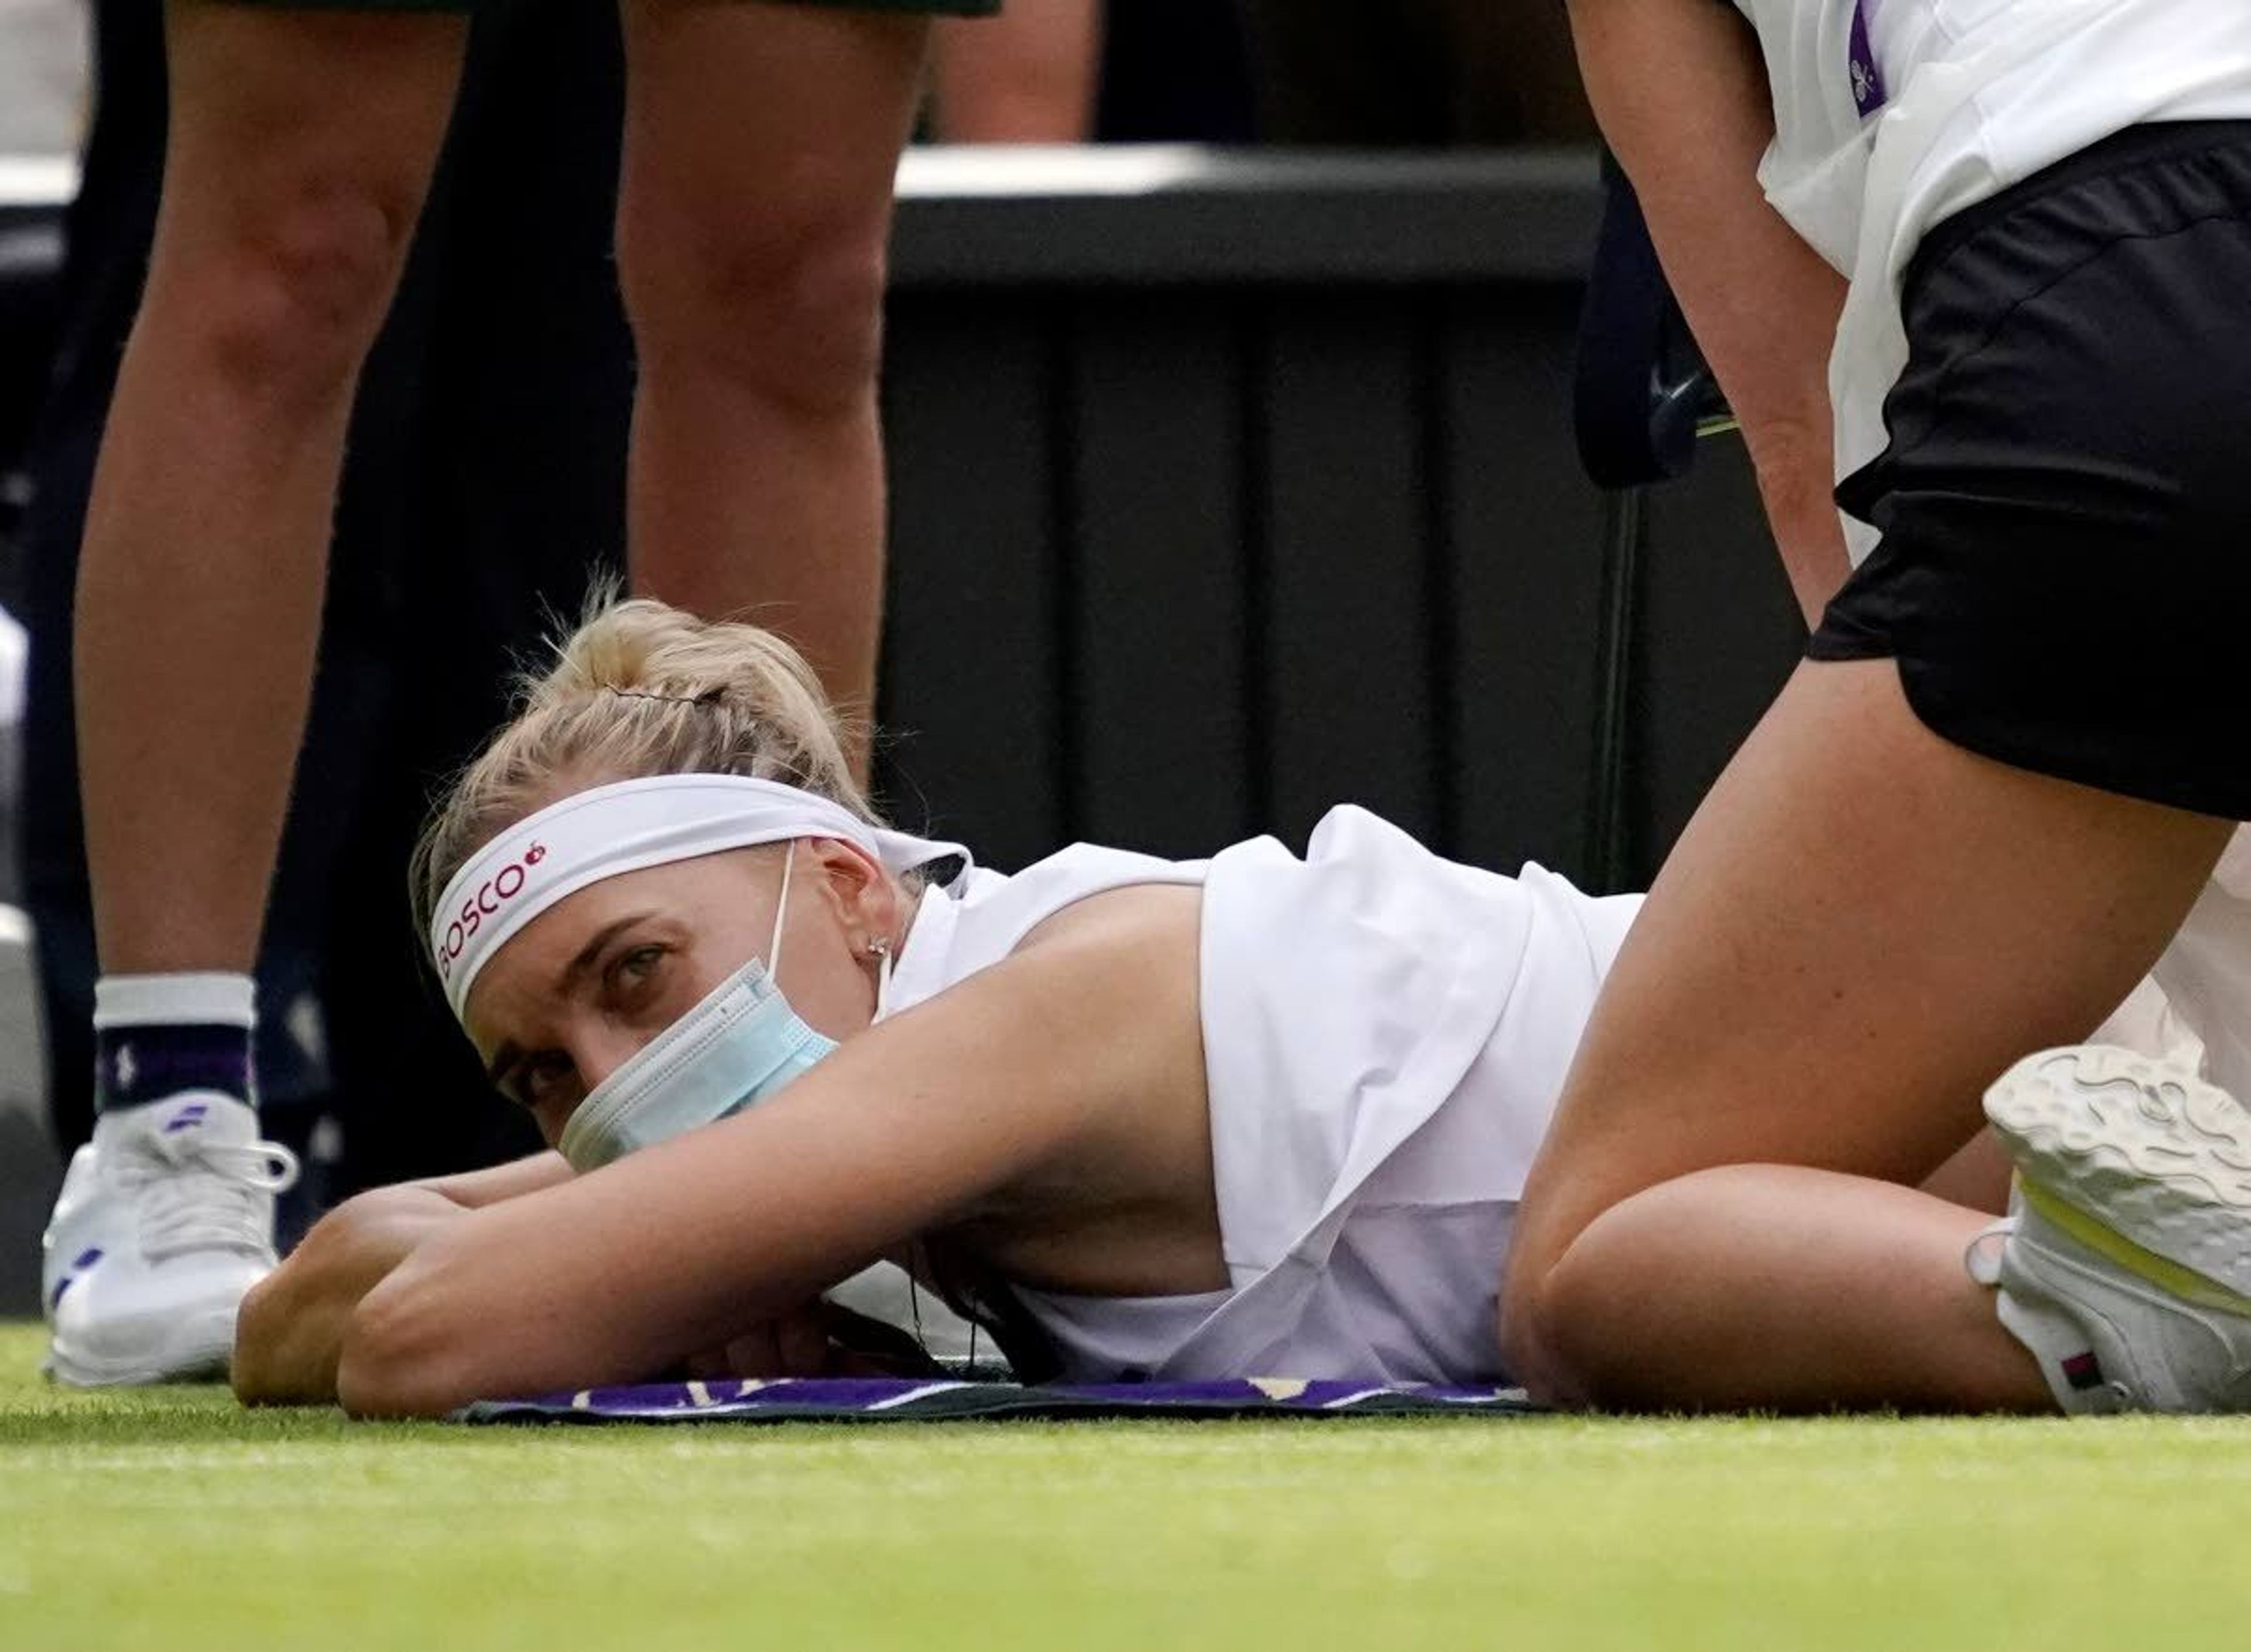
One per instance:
(1682,95)
(290,1332)
(476,1188)
(1049,1057)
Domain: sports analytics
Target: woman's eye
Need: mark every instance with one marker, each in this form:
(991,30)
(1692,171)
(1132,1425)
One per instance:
(636,966)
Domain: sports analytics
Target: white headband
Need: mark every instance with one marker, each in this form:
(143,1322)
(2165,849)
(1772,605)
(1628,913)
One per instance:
(626,827)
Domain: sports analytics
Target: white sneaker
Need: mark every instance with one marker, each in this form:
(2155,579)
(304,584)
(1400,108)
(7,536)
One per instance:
(165,1221)
(2125,1265)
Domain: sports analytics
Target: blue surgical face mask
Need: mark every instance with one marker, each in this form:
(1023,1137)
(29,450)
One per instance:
(734,1050)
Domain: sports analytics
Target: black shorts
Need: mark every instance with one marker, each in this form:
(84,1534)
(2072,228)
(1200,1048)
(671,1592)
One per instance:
(2064,572)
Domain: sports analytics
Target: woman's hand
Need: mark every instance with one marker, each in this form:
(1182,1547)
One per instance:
(289,1334)
(290,1331)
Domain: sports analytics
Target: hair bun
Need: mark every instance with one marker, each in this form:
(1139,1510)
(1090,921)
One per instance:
(641,688)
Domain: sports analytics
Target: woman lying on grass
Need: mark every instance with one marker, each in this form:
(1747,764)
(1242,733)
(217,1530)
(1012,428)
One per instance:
(1254,1115)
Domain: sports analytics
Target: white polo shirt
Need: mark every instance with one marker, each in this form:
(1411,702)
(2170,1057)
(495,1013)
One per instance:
(1892,115)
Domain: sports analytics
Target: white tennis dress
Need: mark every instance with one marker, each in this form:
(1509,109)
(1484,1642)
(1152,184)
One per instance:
(1386,1034)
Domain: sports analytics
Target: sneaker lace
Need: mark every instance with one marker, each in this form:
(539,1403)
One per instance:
(214,1195)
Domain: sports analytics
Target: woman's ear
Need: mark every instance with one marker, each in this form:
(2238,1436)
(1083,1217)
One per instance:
(859,892)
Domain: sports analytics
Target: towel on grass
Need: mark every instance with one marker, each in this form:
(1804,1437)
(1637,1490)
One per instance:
(922,1400)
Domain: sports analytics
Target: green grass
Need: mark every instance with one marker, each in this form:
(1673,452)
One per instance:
(168,1521)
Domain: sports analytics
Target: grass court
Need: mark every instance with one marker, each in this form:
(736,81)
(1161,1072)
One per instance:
(168,1520)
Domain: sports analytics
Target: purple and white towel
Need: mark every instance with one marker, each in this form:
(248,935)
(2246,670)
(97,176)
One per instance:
(917,1399)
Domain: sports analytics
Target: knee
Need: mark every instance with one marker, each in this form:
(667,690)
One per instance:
(1587,1320)
(1549,1301)
(781,296)
(287,297)
(1528,1348)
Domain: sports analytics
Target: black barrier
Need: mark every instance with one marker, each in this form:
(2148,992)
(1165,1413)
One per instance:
(1231,486)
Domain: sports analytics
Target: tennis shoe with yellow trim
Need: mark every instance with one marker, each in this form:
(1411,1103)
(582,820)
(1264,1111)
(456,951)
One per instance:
(2125,1263)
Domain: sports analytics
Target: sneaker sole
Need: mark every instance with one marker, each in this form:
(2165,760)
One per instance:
(200,1352)
(2156,1155)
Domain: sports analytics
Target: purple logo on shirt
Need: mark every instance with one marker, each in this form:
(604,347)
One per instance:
(1868,93)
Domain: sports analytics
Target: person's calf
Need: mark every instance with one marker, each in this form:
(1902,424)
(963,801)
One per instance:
(1766,1286)
(755,482)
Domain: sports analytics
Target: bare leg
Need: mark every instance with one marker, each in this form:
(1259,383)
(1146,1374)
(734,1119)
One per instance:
(300,146)
(1977,1177)
(1790,1289)
(761,142)
(1027,76)
(1863,926)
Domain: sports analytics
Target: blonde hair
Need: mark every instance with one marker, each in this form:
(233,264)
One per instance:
(641,689)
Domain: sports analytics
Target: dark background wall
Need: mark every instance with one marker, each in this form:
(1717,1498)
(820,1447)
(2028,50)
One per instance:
(1220,503)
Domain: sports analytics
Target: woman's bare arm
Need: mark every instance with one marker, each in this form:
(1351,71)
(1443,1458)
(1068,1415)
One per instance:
(1045,1061)
(1682,95)
(289,1334)
(473,1189)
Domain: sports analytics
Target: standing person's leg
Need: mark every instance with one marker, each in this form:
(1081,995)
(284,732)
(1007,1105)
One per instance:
(1864,925)
(300,144)
(761,144)
(1027,76)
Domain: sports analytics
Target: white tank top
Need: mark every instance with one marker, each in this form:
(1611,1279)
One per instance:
(1385,1035)
(1891,115)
